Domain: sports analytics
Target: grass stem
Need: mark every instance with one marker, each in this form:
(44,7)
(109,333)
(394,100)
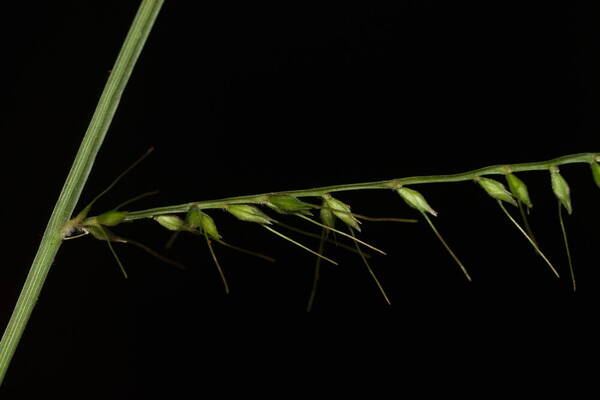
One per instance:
(77,177)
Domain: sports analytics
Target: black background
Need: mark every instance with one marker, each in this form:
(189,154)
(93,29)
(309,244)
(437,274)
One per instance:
(242,99)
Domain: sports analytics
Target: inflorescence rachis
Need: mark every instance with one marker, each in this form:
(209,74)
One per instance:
(193,217)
